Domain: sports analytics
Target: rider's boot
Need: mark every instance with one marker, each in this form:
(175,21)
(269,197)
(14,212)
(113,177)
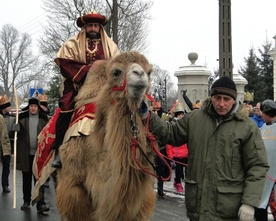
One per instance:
(62,125)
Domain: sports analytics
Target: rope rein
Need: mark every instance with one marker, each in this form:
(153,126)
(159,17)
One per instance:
(152,141)
(150,138)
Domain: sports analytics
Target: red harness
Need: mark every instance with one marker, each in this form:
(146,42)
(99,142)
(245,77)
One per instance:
(150,138)
(120,88)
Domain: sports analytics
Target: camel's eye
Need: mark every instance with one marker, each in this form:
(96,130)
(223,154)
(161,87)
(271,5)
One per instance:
(117,72)
(149,73)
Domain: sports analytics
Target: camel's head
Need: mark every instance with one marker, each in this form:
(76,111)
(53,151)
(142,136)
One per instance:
(129,77)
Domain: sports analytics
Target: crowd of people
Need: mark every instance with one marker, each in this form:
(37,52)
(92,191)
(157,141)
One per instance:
(224,156)
(178,154)
(30,122)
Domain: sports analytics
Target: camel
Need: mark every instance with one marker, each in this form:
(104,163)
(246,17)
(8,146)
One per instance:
(99,179)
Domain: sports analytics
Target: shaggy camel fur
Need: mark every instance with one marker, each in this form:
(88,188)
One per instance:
(99,180)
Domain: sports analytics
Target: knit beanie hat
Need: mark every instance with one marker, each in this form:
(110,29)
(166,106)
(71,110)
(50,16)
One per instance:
(268,107)
(224,85)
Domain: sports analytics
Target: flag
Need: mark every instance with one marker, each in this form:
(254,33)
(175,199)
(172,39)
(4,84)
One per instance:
(44,155)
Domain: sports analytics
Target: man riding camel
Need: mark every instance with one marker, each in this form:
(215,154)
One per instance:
(75,58)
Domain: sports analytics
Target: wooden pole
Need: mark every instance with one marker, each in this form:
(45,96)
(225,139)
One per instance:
(15,148)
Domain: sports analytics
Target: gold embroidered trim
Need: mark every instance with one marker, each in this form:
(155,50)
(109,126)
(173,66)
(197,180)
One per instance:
(92,54)
(78,73)
(68,111)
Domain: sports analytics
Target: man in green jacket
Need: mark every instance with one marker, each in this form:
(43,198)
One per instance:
(227,161)
(5,151)
(6,145)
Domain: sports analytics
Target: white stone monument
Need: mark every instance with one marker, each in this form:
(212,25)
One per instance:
(240,82)
(194,78)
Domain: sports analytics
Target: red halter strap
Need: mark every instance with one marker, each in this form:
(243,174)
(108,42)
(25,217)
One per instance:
(120,88)
(152,140)
(152,100)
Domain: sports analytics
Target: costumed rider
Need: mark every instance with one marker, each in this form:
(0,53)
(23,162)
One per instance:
(75,58)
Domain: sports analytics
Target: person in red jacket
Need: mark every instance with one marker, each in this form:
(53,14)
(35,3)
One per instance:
(179,155)
(272,203)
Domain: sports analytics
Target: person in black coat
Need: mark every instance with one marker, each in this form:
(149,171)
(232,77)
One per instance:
(161,169)
(31,122)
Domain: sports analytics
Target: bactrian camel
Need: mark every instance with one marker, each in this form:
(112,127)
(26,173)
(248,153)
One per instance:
(100,179)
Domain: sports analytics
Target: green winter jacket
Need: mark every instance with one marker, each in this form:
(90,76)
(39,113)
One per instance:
(227,161)
(5,145)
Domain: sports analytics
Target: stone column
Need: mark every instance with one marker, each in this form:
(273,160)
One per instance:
(194,78)
(240,82)
(272,53)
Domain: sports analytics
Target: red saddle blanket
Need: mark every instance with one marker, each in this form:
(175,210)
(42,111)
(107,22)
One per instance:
(81,124)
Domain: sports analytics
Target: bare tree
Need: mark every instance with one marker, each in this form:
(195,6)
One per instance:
(18,66)
(127,26)
(127,22)
(162,78)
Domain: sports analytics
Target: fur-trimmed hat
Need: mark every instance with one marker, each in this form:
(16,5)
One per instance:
(224,85)
(33,100)
(91,17)
(268,107)
(4,102)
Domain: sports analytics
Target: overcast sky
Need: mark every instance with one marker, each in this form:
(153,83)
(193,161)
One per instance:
(178,28)
(184,26)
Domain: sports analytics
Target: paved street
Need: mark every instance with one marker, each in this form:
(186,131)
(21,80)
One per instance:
(168,208)
(8,213)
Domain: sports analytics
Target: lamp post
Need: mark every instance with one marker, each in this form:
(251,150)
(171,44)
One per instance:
(163,93)
(225,39)
(160,94)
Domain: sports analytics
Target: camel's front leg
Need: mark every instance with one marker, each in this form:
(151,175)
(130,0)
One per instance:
(72,199)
